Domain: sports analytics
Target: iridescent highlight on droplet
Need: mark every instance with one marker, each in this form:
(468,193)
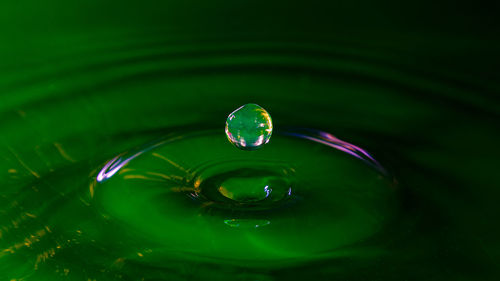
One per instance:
(249,127)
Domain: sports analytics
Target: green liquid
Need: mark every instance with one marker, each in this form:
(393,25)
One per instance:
(85,97)
(170,194)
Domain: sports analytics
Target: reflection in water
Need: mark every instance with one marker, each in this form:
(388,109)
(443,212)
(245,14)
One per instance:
(332,141)
(247,223)
(113,166)
(170,187)
(158,212)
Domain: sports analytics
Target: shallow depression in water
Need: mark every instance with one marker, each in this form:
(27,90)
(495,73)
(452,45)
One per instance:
(206,202)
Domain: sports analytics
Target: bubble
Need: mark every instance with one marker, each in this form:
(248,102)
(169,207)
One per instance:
(249,127)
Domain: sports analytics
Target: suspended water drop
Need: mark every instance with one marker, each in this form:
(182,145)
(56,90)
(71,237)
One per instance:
(249,127)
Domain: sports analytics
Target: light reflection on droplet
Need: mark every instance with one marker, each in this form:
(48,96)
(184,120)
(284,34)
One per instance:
(249,127)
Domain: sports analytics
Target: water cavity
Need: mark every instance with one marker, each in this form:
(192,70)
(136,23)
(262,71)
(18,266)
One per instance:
(197,201)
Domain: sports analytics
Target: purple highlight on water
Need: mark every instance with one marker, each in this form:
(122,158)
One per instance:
(331,137)
(266,189)
(334,142)
(113,166)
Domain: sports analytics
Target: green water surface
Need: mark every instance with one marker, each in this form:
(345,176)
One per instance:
(414,84)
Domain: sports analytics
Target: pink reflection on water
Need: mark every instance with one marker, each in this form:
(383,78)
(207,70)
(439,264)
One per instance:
(334,142)
(113,166)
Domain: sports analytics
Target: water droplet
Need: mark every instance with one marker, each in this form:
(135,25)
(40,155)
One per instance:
(249,127)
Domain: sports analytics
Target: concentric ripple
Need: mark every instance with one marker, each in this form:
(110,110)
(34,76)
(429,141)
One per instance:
(305,206)
(193,193)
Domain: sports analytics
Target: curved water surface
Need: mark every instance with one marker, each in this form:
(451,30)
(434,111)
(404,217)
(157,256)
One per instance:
(329,208)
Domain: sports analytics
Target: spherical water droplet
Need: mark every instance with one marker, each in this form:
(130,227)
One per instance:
(249,127)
